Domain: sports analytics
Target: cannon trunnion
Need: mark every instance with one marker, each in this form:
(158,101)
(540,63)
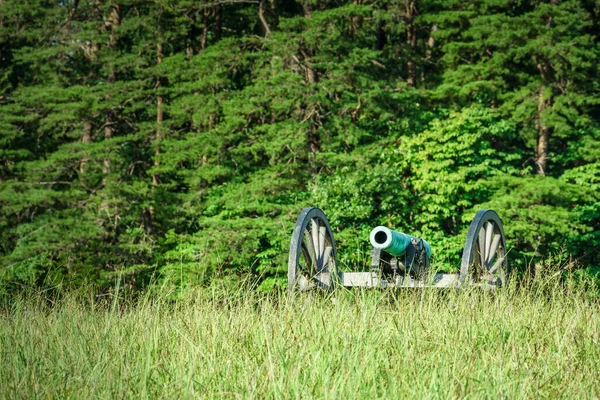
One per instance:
(397,259)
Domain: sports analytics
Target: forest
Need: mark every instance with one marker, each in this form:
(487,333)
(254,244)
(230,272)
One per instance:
(172,143)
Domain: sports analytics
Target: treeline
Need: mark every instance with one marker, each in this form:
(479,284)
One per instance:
(172,141)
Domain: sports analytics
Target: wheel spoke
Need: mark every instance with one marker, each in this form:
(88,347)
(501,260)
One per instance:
(322,231)
(496,265)
(493,249)
(489,230)
(314,225)
(326,258)
(306,273)
(309,247)
(303,270)
(481,247)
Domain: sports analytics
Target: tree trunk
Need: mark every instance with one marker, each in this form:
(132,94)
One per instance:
(204,30)
(428,51)
(90,52)
(544,133)
(307,9)
(542,150)
(311,74)
(218,22)
(191,48)
(159,116)
(356,20)
(430,43)
(380,38)
(73,9)
(314,142)
(86,137)
(274,12)
(261,15)
(544,101)
(149,214)
(112,23)
(411,40)
(108,134)
(307,53)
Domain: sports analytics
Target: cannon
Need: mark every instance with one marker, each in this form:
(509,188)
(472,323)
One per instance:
(397,259)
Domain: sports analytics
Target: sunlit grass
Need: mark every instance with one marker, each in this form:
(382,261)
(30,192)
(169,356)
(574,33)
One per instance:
(514,343)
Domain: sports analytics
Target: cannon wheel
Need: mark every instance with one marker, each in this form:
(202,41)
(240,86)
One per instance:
(312,252)
(484,254)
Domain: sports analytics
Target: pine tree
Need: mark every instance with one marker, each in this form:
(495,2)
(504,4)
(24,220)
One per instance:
(173,139)
(533,61)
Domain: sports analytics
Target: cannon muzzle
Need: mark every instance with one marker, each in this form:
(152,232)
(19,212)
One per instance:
(395,243)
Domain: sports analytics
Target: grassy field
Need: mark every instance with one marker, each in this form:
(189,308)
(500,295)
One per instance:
(543,342)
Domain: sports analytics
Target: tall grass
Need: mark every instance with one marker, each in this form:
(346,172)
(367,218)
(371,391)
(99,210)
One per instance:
(514,343)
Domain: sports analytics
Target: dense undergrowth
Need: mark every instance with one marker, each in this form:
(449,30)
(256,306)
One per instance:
(530,339)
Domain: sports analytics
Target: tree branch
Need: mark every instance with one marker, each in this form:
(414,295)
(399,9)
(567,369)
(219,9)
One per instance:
(261,16)
(220,2)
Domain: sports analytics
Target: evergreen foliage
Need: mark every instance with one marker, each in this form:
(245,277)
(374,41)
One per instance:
(172,141)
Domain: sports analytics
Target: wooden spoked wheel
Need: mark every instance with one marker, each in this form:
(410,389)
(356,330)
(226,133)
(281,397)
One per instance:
(484,254)
(312,260)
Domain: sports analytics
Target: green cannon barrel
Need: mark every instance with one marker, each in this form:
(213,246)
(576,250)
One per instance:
(392,242)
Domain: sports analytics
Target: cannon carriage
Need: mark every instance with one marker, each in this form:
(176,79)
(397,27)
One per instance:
(397,259)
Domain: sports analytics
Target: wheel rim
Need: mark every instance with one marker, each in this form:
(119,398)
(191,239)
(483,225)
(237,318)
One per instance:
(312,251)
(484,254)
